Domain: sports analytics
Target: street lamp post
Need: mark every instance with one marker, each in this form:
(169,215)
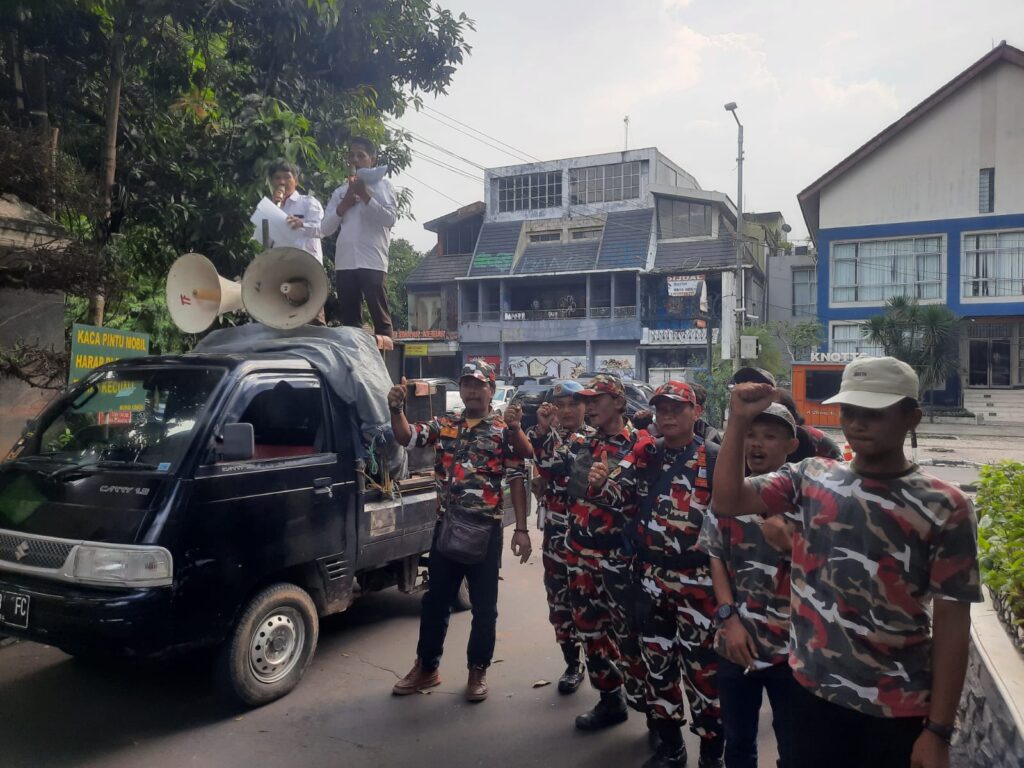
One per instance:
(740,308)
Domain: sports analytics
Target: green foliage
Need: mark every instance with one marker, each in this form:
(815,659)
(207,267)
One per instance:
(1000,506)
(799,339)
(402,259)
(716,381)
(926,337)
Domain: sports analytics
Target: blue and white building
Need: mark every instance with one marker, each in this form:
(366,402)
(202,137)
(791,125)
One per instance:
(933,208)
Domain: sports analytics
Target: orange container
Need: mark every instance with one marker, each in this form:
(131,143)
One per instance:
(812,383)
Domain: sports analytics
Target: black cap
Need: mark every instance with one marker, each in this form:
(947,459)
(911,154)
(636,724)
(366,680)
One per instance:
(753,376)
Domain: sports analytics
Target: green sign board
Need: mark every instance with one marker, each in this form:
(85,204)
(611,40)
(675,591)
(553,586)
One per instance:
(91,347)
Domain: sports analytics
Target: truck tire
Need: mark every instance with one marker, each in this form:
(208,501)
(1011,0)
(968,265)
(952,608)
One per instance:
(462,601)
(271,647)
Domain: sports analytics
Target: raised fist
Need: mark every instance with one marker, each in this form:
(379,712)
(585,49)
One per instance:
(598,474)
(514,417)
(750,399)
(396,397)
(546,415)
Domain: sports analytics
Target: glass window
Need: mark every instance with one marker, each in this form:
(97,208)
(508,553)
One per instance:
(586,234)
(604,183)
(849,337)
(530,192)
(987,190)
(681,218)
(874,271)
(545,237)
(461,238)
(821,385)
(287,415)
(805,292)
(993,264)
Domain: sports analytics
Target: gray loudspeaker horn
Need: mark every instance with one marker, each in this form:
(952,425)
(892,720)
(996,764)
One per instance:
(196,294)
(284,288)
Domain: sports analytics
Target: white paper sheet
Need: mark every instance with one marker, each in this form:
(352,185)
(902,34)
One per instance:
(280,233)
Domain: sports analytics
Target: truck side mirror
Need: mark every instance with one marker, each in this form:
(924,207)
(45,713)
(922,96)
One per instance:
(236,442)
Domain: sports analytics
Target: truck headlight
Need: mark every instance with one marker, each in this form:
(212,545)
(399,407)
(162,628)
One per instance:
(127,566)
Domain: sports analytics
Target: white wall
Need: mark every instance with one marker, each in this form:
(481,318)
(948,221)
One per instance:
(930,170)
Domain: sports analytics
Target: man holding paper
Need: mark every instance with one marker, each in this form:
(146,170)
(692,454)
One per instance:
(363,211)
(299,226)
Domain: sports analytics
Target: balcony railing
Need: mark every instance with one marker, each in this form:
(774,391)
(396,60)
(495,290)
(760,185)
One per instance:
(533,315)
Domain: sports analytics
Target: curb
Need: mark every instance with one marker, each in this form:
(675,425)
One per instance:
(5,641)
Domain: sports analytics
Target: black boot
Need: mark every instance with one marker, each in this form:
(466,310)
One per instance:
(610,710)
(653,736)
(671,752)
(711,753)
(571,680)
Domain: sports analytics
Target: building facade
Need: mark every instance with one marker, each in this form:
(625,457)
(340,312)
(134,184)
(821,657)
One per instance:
(933,208)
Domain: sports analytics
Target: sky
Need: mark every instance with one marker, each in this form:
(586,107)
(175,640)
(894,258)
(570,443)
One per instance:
(813,80)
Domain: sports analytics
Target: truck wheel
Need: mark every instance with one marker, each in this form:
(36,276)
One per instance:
(271,647)
(462,602)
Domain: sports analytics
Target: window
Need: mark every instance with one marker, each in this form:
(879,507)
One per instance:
(461,237)
(987,190)
(287,415)
(821,385)
(849,337)
(530,192)
(681,218)
(805,292)
(874,271)
(586,234)
(993,264)
(545,237)
(604,183)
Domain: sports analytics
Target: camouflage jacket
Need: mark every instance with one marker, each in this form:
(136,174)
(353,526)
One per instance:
(814,442)
(668,537)
(470,462)
(758,576)
(595,526)
(869,555)
(554,499)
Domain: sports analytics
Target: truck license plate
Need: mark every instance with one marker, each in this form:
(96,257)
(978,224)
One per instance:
(14,609)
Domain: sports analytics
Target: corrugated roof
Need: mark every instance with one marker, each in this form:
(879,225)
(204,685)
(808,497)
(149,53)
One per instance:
(439,269)
(627,235)
(685,256)
(573,256)
(495,248)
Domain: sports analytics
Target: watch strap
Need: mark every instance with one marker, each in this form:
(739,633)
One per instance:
(944,732)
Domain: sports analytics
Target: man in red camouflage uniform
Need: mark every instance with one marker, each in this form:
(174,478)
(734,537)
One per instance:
(554,521)
(670,481)
(599,568)
(475,452)
(878,544)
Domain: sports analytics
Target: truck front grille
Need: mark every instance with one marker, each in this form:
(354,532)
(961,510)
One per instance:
(33,551)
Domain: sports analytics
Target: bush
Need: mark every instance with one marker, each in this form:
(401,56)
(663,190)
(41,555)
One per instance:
(1000,507)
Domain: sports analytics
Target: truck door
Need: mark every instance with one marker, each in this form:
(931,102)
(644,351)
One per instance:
(288,507)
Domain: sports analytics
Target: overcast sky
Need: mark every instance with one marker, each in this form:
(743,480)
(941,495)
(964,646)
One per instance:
(813,79)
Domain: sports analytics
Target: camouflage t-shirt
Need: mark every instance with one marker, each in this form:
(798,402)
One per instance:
(554,499)
(470,462)
(758,576)
(869,555)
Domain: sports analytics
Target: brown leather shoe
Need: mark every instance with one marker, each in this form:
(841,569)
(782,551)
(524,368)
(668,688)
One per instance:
(476,686)
(417,680)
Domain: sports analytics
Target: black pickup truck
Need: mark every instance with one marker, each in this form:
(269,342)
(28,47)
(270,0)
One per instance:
(168,504)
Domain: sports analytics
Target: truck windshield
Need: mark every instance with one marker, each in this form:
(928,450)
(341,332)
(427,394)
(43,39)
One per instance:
(135,418)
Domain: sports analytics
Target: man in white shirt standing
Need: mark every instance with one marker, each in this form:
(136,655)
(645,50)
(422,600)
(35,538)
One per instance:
(363,215)
(304,211)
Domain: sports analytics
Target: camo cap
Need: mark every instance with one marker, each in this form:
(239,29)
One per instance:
(603,384)
(679,391)
(478,369)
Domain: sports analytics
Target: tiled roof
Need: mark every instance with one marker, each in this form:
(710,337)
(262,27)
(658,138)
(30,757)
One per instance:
(626,237)
(573,256)
(696,254)
(496,248)
(439,269)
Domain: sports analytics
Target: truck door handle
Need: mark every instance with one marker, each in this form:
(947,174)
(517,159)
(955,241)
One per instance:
(322,487)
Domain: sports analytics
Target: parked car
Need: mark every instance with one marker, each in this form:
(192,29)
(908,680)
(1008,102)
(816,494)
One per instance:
(452,399)
(530,396)
(503,395)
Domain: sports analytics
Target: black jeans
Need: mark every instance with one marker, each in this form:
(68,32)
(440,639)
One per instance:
(353,286)
(741,704)
(837,737)
(444,579)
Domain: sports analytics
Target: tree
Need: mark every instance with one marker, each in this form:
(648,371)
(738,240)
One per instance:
(402,260)
(716,380)
(799,339)
(926,337)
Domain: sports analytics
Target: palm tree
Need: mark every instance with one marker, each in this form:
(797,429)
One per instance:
(925,337)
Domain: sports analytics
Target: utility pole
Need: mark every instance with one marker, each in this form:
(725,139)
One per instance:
(741,308)
(625,125)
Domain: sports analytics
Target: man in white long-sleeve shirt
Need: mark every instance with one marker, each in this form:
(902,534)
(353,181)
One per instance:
(363,215)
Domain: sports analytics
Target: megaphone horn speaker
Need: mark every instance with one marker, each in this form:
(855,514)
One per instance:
(196,294)
(284,288)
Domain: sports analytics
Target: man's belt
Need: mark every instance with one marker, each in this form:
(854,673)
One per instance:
(602,542)
(686,561)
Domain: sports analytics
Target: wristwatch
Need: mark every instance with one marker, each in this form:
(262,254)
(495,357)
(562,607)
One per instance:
(725,611)
(944,732)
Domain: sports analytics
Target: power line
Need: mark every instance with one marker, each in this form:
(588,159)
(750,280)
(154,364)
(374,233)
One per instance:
(446,166)
(520,158)
(434,189)
(477,130)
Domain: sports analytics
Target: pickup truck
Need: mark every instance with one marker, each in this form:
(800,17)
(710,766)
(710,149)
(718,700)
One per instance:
(221,501)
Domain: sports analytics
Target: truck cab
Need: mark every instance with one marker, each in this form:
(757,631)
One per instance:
(225,501)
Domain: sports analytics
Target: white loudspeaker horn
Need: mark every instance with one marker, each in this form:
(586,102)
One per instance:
(284,288)
(196,294)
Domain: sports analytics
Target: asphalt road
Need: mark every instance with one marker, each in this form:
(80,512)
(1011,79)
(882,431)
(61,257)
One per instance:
(56,711)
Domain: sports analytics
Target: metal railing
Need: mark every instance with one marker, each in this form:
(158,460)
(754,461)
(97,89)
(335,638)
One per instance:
(533,315)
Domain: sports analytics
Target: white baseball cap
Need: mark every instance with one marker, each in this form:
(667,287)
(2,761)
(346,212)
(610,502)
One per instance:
(876,383)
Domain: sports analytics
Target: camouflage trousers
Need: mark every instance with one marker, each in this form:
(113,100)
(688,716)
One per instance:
(677,644)
(599,589)
(556,584)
